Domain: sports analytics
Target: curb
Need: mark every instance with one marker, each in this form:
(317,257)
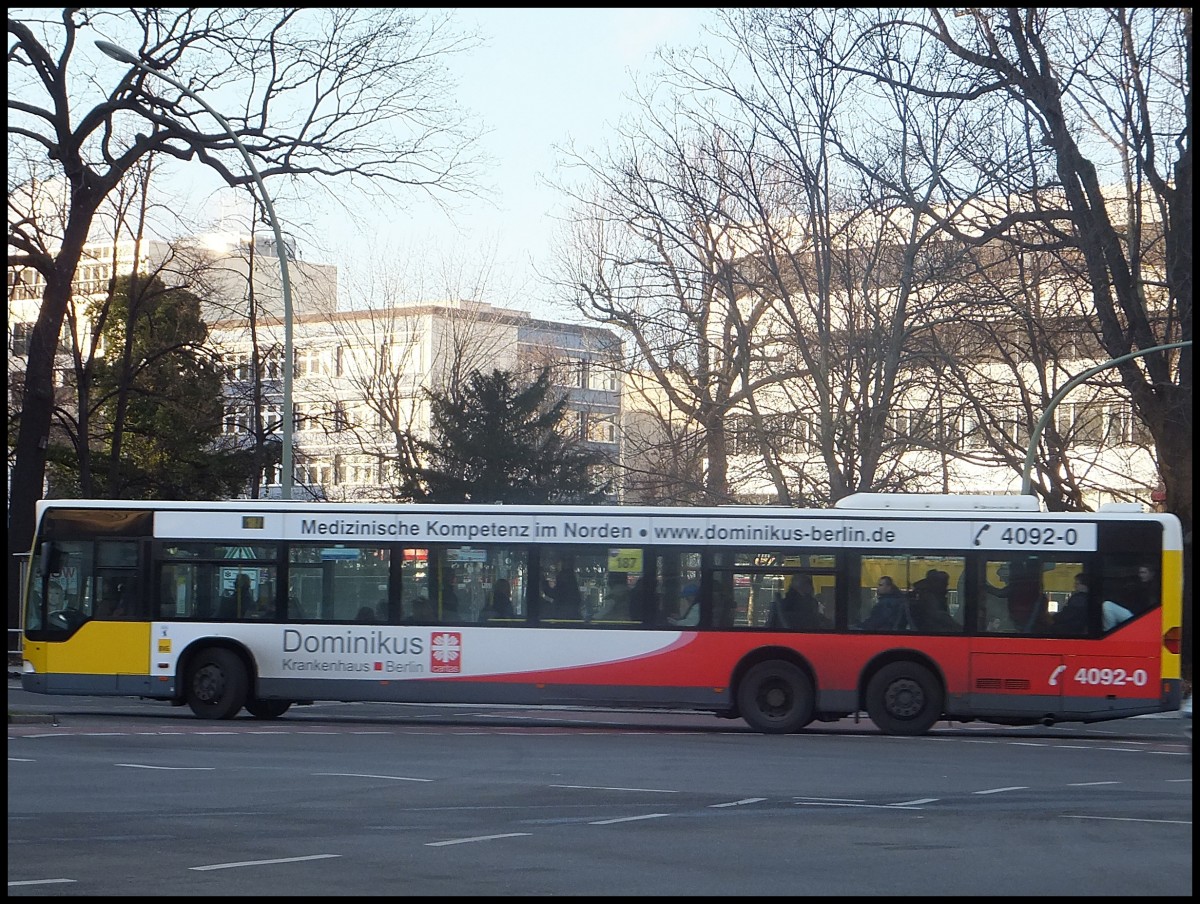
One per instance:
(31,719)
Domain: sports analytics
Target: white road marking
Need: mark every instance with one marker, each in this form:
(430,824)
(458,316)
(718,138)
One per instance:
(167,768)
(1002,790)
(40,882)
(609,822)
(394,778)
(1172,822)
(603,788)
(212,866)
(738,803)
(807,803)
(836,800)
(476,838)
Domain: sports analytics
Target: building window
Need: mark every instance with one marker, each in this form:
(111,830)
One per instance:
(310,362)
(603,379)
(20,338)
(973,434)
(601,429)
(1081,423)
(342,419)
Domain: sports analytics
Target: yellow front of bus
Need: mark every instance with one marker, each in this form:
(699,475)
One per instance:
(97,657)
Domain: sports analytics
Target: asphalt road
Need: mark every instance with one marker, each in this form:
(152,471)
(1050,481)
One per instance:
(127,797)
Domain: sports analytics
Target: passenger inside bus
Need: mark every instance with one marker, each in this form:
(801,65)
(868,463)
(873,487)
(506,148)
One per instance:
(798,609)
(238,601)
(422,612)
(110,605)
(1143,595)
(890,612)
(689,607)
(641,600)
(1072,618)
(1022,590)
(264,605)
(449,595)
(500,605)
(562,598)
(928,606)
(1113,614)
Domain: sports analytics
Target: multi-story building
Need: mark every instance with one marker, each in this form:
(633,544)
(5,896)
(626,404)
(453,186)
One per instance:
(360,377)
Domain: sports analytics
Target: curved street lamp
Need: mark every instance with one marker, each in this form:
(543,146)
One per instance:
(1036,435)
(120,54)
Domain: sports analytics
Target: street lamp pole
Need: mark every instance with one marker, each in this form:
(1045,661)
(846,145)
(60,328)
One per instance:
(124,56)
(1036,435)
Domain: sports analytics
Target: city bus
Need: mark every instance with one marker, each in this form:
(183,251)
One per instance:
(995,610)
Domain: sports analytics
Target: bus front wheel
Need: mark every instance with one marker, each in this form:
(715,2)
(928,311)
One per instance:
(904,698)
(267,709)
(217,684)
(776,698)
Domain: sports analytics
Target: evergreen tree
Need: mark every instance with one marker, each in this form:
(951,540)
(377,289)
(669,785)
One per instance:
(155,404)
(497,441)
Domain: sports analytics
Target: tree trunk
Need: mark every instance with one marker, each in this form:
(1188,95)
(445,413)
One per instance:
(37,405)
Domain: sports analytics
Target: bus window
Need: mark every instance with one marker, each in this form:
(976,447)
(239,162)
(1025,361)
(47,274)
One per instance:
(482,584)
(63,585)
(571,584)
(1014,600)
(1070,614)
(798,608)
(909,593)
(117,597)
(336,581)
(677,589)
(625,595)
(494,582)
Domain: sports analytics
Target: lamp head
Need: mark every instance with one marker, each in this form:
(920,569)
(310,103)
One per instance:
(120,54)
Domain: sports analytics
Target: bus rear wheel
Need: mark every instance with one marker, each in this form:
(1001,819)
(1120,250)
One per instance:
(217,684)
(267,709)
(776,697)
(904,698)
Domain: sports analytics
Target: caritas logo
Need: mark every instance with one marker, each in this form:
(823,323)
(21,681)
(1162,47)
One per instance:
(445,652)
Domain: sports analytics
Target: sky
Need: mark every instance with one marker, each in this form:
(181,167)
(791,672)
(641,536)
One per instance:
(540,78)
(543,77)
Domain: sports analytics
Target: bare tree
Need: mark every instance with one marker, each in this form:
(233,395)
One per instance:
(1080,142)
(333,96)
(654,253)
(800,280)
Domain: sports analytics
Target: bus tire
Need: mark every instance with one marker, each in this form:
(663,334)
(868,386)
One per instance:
(904,698)
(776,697)
(267,709)
(217,684)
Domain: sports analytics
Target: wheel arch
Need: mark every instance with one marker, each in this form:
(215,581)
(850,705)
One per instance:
(887,657)
(766,654)
(195,647)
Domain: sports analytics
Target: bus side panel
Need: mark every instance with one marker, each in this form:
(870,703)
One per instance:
(1070,679)
(102,657)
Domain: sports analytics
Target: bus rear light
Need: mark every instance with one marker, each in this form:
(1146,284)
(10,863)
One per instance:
(1172,640)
